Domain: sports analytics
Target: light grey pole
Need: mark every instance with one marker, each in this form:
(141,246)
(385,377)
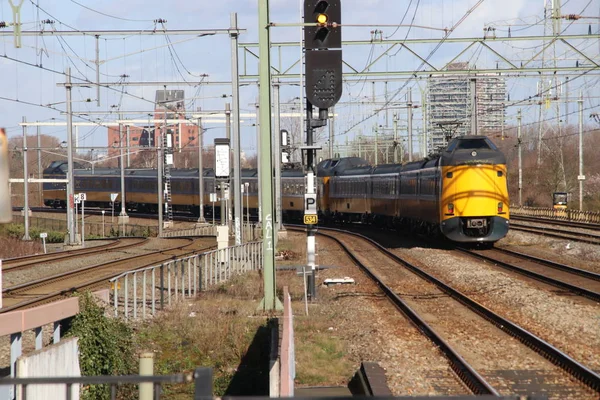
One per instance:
(331,136)
(424,122)
(376,144)
(567,100)
(201,219)
(39,165)
(128,140)
(473,84)
(122,165)
(520,159)
(410,125)
(98,70)
(25,183)
(227,215)
(396,144)
(277,152)
(160,161)
(70,184)
(238,211)
(581,177)
(258,166)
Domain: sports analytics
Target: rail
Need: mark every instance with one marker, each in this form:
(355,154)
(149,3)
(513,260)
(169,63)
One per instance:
(592,217)
(140,292)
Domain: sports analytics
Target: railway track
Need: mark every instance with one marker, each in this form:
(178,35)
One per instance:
(19,263)
(561,222)
(443,314)
(566,278)
(582,237)
(49,288)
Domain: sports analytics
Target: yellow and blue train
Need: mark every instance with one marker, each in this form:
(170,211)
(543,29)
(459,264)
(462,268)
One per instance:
(460,194)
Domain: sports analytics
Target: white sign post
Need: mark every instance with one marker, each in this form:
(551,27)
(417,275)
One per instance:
(44,235)
(213,200)
(103,223)
(113,197)
(82,197)
(77,201)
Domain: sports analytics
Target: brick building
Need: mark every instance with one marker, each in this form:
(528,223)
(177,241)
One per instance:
(167,102)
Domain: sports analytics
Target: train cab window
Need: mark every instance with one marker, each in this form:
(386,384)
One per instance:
(449,175)
(472,144)
(500,174)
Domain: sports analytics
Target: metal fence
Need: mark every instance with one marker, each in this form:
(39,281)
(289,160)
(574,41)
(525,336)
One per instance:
(98,229)
(140,292)
(592,217)
(250,232)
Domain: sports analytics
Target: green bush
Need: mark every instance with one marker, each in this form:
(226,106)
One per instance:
(106,346)
(17,231)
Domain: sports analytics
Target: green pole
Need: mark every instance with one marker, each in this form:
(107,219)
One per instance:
(269,301)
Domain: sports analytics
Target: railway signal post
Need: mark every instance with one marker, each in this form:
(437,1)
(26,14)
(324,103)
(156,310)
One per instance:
(323,68)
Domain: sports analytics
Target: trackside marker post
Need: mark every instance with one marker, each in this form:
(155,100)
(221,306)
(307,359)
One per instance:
(43,236)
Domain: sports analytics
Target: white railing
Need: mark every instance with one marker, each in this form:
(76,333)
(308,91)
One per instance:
(250,232)
(204,230)
(140,292)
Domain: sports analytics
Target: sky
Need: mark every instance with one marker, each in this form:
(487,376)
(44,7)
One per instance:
(186,58)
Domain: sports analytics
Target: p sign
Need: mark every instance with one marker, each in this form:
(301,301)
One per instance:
(310,204)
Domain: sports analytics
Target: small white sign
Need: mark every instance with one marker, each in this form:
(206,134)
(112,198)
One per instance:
(169,159)
(82,196)
(76,199)
(43,235)
(310,204)
(113,196)
(213,197)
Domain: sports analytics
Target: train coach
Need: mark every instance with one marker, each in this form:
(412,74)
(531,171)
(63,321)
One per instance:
(460,194)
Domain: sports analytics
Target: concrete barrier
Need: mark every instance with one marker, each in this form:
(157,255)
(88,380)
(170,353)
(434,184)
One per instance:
(60,359)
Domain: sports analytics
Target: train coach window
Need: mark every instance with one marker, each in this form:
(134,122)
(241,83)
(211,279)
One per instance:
(449,175)
(500,174)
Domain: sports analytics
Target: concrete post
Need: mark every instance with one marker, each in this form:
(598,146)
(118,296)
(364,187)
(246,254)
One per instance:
(236,143)
(146,390)
(520,159)
(581,177)
(70,184)
(25,183)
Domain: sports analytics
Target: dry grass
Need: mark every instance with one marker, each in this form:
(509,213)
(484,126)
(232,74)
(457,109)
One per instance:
(218,328)
(11,247)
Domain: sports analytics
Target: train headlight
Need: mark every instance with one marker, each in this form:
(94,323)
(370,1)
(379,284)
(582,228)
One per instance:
(500,207)
(450,208)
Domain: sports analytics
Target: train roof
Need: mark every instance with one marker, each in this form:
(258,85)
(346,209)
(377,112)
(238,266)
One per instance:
(364,170)
(337,166)
(471,149)
(387,169)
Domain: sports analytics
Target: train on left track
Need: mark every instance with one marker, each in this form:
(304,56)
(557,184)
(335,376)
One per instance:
(460,194)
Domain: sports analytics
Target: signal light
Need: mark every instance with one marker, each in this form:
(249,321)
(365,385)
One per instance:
(500,207)
(322,18)
(450,208)
(323,43)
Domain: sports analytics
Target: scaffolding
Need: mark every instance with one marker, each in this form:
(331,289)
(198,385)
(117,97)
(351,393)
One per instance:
(450,103)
